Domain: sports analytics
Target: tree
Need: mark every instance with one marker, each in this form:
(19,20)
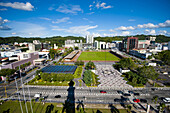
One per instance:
(148,72)
(155,99)
(161,107)
(76,48)
(126,63)
(90,65)
(8,72)
(87,77)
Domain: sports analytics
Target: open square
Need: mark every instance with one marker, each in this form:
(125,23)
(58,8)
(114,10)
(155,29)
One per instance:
(97,56)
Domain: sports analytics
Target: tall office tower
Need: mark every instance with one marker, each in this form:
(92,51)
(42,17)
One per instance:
(89,39)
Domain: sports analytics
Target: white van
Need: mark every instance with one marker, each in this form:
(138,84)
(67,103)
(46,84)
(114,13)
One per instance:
(37,95)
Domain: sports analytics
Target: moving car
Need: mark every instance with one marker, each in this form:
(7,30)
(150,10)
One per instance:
(166,100)
(102,91)
(143,100)
(136,94)
(58,96)
(38,95)
(126,94)
(136,100)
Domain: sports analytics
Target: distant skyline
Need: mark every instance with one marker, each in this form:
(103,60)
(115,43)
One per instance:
(42,18)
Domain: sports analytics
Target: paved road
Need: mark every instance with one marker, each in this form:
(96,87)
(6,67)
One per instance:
(91,95)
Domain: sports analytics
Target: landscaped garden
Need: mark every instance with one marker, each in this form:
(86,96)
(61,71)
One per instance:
(97,56)
(55,79)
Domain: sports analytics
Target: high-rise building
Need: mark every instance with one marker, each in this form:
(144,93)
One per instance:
(129,43)
(89,39)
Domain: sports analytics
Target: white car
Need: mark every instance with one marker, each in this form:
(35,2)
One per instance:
(166,100)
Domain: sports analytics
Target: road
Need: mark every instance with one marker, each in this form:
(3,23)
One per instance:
(91,95)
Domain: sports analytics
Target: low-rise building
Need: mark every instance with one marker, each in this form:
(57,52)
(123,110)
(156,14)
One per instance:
(23,58)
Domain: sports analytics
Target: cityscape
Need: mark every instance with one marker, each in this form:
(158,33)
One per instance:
(84,56)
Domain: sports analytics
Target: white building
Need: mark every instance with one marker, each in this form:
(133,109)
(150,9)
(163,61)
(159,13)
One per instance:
(10,53)
(36,42)
(71,43)
(101,45)
(89,39)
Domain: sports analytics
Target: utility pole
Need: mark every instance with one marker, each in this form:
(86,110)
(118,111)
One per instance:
(18,95)
(5,92)
(29,97)
(23,91)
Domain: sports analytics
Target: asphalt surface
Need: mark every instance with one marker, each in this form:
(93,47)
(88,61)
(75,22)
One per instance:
(90,95)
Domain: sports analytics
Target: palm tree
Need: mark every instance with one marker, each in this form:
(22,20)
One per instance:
(155,99)
(161,107)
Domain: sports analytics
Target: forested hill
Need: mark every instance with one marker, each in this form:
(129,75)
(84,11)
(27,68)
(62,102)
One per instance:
(159,38)
(59,40)
(54,40)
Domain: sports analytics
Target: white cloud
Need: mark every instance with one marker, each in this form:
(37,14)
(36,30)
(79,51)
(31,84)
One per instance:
(44,18)
(2,24)
(13,33)
(3,9)
(101,30)
(18,5)
(103,5)
(87,20)
(100,5)
(162,32)
(90,5)
(109,34)
(165,24)
(124,33)
(65,19)
(96,34)
(73,9)
(149,25)
(151,32)
(28,29)
(131,20)
(80,30)
(90,13)
(123,28)
(112,30)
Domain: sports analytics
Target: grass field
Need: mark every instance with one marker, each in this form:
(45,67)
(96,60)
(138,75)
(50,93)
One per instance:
(97,56)
(14,107)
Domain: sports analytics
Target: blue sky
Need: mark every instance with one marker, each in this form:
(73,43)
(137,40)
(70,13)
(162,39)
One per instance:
(42,18)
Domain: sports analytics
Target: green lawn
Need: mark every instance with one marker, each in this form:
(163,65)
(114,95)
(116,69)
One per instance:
(14,107)
(57,83)
(97,56)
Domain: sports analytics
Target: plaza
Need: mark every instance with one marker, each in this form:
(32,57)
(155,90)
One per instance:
(110,77)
